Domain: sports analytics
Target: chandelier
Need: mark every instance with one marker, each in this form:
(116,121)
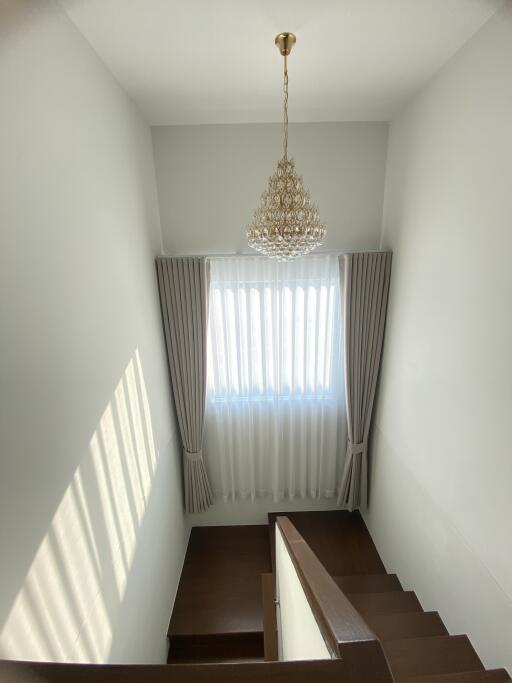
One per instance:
(286,223)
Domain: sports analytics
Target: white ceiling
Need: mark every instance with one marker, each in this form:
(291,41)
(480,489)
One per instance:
(214,61)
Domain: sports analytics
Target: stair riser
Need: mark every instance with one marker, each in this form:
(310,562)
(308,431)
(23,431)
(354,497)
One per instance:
(496,676)
(215,647)
(372,583)
(406,625)
(426,656)
(385,603)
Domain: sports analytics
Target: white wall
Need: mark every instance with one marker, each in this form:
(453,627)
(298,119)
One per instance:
(92,534)
(299,636)
(209,182)
(440,499)
(210,179)
(256,512)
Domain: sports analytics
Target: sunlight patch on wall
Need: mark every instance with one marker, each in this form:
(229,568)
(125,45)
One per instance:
(74,588)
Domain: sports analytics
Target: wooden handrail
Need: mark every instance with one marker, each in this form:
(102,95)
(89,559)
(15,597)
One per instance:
(319,671)
(346,634)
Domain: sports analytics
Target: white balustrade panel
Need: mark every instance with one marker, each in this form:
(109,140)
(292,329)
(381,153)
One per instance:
(299,636)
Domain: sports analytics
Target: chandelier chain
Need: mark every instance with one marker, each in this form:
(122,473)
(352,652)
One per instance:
(285,121)
(286,223)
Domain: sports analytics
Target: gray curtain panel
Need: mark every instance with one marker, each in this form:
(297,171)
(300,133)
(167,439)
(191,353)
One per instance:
(183,285)
(365,286)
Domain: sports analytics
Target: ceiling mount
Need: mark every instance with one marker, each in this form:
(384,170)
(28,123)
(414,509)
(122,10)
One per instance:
(285,42)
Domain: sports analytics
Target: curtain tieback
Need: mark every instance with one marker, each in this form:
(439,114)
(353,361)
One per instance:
(193,455)
(356,448)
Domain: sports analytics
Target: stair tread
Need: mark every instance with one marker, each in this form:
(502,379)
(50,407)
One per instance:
(494,676)
(385,603)
(402,625)
(368,583)
(227,597)
(411,657)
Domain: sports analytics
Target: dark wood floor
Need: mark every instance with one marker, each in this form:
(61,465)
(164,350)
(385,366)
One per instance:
(218,612)
(220,587)
(338,538)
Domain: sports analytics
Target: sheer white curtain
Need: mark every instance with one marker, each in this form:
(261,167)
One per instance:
(275,415)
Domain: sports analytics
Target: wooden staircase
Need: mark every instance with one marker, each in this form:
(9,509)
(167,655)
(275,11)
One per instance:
(416,643)
(223,626)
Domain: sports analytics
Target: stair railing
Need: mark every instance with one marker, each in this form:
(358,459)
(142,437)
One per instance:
(344,633)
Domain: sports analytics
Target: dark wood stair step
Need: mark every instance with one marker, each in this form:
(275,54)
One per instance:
(214,647)
(219,660)
(406,625)
(220,585)
(385,603)
(494,676)
(426,656)
(368,583)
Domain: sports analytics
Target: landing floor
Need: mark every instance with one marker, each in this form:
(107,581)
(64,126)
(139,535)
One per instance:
(338,538)
(220,587)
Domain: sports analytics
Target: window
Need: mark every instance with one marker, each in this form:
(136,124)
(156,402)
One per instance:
(275,382)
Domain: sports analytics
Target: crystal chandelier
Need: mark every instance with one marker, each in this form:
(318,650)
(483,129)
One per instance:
(286,223)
